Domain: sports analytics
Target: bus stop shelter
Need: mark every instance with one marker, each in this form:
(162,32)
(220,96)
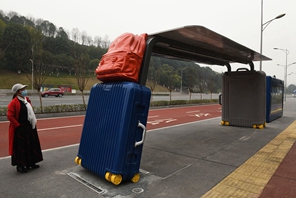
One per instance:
(198,44)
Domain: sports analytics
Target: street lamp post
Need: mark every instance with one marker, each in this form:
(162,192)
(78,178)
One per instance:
(286,74)
(285,67)
(32,74)
(263,26)
(182,78)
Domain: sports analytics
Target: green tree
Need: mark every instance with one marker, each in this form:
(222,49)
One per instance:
(291,88)
(58,45)
(168,78)
(155,62)
(3,17)
(16,19)
(93,64)
(61,33)
(81,61)
(21,20)
(190,79)
(152,79)
(213,83)
(82,74)
(48,28)
(41,65)
(19,52)
(201,81)
(39,62)
(3,47)
(65,62)
(96,52)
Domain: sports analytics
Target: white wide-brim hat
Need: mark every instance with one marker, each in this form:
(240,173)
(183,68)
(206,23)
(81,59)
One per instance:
(17,87)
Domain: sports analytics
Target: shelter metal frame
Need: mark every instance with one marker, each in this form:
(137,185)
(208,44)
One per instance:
(198,44)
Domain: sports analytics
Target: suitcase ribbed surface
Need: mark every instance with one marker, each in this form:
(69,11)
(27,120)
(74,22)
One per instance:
(244,98)
(111,129)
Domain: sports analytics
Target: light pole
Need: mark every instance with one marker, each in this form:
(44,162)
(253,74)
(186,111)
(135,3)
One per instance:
(286,67)
(32,74)
(182,78)
(286,74)
(263,26)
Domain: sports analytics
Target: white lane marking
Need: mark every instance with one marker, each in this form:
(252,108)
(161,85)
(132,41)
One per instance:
(177,125)
(61,147)
(64,117)
(63,127)
(170,120)
(53,118)
(153,116)
(183,107)
(244,138)
(154,122)
(1,158)
(193,111)
(201,114)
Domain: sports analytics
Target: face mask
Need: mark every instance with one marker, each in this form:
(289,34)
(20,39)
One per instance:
(24,93)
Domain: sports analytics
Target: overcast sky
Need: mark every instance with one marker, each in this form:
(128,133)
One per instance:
(238,20)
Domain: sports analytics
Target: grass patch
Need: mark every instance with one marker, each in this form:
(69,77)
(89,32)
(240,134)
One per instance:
(9,78)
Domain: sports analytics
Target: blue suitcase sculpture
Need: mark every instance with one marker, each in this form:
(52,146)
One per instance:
(114,131)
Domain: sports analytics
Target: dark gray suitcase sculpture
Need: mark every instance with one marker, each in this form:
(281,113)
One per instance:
(114,131)
(244,98)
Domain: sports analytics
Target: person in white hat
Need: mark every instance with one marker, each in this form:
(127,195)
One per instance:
(24,144)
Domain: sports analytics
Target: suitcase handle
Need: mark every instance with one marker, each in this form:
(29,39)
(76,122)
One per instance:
(143,136)
(251,67)
(242,69)
(220,99)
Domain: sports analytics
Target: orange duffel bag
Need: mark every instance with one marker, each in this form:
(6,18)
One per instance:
(122,62)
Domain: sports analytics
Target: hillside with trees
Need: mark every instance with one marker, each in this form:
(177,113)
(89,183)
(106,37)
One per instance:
(40,49)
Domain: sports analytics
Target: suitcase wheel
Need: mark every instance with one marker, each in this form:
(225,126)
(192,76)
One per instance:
(108,176)
(77,160)
(116,179)
(136,178)
(224,123)
(259,126)
(113,178)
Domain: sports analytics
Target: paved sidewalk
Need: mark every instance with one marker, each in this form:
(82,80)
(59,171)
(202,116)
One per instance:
(271,172)
(283,182)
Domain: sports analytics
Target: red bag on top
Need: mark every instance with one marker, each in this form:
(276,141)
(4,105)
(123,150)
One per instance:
(123,59)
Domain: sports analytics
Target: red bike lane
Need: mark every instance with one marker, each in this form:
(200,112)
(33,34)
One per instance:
(159,118)
(63,131)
